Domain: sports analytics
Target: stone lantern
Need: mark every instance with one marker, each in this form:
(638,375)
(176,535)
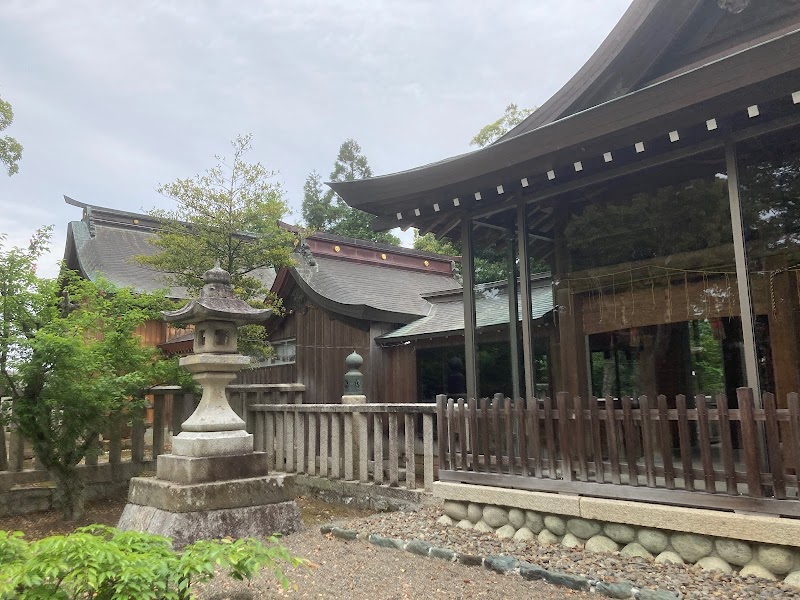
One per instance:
(214,429)
(213,485)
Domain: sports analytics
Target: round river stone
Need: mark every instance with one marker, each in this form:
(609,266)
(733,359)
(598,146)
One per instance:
(534,521)
(555,524)
(474,512)
(516,517)
(583,528)
(506,532)
(524,534)
(691,547)
(777,559)
(495,516)
(634,549)
(653,540)
(455,510)
(622,534)
(601,543)
(735,552)
(714,563)
(547,537)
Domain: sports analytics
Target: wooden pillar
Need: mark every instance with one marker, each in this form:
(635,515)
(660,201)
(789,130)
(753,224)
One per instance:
(742,277)
(525,299)
(468,272)
(513,315)
(572,340)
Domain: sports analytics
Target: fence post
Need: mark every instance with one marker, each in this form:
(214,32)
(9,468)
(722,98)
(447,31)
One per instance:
(411,471)
(159,402)
(427,452)
(751,441)
(441,402)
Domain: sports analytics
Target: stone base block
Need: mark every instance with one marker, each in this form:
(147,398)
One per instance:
(215,495)
(188,527)
(187,470)
(212,443)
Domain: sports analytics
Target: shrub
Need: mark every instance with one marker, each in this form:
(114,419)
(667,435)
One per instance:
(100,563)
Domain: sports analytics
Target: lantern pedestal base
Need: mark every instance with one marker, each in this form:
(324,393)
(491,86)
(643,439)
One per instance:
(185,470)
(212,443)
(252,507)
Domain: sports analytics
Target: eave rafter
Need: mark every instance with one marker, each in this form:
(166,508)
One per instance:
(639,155)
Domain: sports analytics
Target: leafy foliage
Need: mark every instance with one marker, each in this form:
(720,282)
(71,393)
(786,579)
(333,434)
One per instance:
(230,214)
(10,149)
(328,212)
(70,361)
(100,562)
(512,117)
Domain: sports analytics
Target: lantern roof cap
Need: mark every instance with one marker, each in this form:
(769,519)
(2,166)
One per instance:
(217,302)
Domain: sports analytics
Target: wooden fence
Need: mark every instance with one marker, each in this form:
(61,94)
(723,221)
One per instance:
(366,442)
(691,452)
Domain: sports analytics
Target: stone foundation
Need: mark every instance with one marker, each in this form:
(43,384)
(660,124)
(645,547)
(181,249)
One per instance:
(187,527)
(713,540)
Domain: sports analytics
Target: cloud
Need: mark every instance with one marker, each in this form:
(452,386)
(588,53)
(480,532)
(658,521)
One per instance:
(112,98)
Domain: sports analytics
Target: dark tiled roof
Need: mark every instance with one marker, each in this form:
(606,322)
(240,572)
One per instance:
(104,248)
(371,291)
(491,308)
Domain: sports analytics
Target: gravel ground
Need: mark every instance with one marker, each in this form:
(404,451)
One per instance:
(688,580)
(355,570)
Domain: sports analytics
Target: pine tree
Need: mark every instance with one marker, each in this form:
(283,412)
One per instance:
(328,212)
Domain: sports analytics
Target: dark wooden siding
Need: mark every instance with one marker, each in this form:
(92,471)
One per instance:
(277,373)
(323,342)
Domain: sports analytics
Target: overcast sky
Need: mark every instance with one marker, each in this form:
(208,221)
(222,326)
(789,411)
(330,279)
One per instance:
(112,98)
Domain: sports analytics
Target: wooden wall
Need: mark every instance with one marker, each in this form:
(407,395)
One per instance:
(277,373)
(323,342)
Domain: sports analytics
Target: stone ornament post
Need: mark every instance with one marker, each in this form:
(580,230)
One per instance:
(213,485)
(354,394)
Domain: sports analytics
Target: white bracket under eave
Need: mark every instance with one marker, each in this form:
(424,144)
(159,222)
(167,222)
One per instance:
(674,136)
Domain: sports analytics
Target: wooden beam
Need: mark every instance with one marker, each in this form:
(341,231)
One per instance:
(525,299)
(468,274)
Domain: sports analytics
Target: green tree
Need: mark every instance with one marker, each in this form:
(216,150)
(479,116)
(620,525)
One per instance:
(512,117)
(70,362)
(490,261)
(10,149)
(429,243)
(229,214)
(329,213)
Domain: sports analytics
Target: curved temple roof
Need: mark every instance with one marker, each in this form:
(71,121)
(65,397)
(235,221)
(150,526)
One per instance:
(668,64)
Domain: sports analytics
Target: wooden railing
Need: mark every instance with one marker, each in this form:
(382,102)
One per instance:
(365,442)
(704,454)
(244,395)
(125,449)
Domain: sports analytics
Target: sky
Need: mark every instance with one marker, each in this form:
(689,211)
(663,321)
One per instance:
(112,98)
